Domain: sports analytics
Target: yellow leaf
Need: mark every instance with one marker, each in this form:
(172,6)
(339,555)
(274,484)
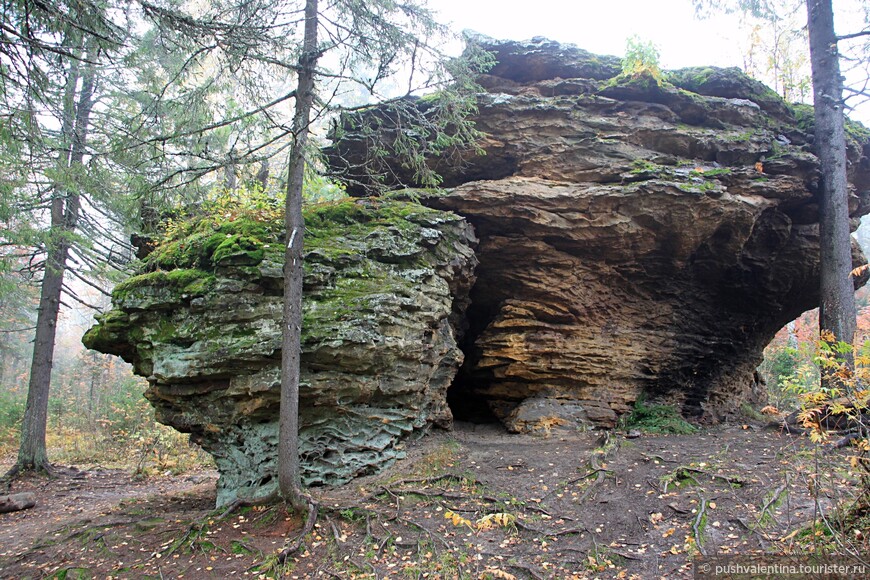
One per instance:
(817,436)
(497,573)
(500,519)
(457,520)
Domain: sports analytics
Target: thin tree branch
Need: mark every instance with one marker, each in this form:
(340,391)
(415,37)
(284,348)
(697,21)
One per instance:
(96,287)
(854,35)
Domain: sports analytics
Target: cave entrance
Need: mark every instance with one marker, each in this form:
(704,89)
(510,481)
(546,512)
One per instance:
(464,397)
(466,404)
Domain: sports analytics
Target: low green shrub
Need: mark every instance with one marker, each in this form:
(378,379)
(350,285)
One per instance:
(651,418)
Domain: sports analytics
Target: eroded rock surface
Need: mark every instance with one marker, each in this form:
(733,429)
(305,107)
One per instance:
(636,237)
(386,286)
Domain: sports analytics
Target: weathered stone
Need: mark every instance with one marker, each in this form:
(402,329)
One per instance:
(542,415)
(384,282)
(636,236)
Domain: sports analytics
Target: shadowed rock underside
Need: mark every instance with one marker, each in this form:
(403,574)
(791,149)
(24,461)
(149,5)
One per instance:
(636,236)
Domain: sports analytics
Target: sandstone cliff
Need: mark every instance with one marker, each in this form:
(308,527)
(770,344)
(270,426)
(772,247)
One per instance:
(636,236)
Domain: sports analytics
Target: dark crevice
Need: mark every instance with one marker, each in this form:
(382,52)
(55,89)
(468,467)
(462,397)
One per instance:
(463,397)
(466,405)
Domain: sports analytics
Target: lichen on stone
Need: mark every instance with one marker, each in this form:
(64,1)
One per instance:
(385,281)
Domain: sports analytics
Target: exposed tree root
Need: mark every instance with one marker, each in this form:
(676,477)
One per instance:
(600,474)
(770,503)
(292,546)
(445,495)
(241,502)
(42,468)
(527,569)
(87,529)
(729,480)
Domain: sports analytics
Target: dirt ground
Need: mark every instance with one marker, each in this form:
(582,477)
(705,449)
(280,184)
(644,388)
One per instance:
(473,503)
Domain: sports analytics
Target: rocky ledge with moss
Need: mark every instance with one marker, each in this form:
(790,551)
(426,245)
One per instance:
(386,287)
(638,238)
(639,234)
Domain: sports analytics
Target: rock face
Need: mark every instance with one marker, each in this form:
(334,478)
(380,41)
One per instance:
(637,237)
(379,340)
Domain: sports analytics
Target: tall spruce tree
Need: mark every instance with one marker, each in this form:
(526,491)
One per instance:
(50,54)
(837,315)
(289,480)
(837,293)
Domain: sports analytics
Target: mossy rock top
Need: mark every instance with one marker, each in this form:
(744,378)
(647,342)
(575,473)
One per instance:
(385,280)
(195,250)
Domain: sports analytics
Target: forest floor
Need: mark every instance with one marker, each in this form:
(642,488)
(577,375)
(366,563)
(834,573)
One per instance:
(473,503)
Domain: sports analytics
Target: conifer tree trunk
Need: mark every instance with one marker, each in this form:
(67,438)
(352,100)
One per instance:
(65,208)
(289,480)
(837,293)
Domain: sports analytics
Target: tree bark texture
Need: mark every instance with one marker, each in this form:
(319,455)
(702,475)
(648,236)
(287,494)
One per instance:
(837,292)
(289,480)
(65,208)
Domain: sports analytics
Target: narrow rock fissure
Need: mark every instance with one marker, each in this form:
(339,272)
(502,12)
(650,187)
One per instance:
(463,396)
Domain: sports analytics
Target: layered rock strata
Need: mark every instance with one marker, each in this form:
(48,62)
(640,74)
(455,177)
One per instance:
(386,286)
(638,236)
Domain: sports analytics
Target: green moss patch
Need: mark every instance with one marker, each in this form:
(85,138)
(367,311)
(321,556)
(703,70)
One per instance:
(332,230)
(105,335)
(804,115)
(206,242)
(184,281)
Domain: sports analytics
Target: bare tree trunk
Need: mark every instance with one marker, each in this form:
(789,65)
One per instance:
(289,480)
(837,293)
(32,452)
(65,209)
(4,364)
(263,175)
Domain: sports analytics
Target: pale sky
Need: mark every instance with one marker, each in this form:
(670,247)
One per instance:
(602,26)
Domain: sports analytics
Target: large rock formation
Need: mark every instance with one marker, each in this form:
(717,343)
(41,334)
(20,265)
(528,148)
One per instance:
(636,236)
(386,286)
